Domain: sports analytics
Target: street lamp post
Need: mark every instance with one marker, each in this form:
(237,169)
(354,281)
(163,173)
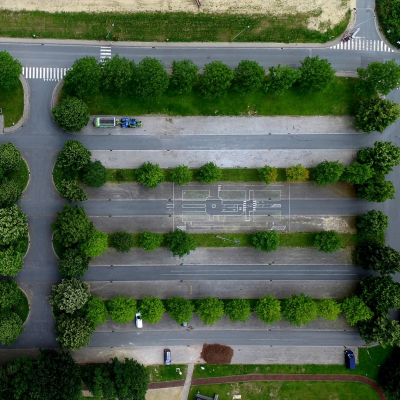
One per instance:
(237,242)
(109,31)
(247,27)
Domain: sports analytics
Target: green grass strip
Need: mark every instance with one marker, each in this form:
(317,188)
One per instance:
(162,373)
(12,103)
(339,98)
(22,308)
(21,176)
(176,27)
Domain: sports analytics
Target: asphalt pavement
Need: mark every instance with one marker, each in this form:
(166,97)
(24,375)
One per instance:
(40,140)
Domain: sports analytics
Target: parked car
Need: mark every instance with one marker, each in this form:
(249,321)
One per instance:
(167,357)
(184,324)
(350,359)
(139,321)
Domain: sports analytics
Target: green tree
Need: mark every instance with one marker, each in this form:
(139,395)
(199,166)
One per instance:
(10,262)
(265,241)
(373,222)
(209,173)
(95,245)
(355,310)
(328,172)
(150,79)
(238,310)
(210,310)
(381,158)
(268,309)
(215,79)
(328,309)
(117,74)
(122,309)
(180,309)
(11,327)
(73,332)
(10,157)
(357,174)
(328,241)
(71,191)
(297,173)
(300,310)
(378,77)
(268,174)
(72,227)
(74,156)
(73,263)
(181,175)
(10,295)
(150,175)
(13,225)
(380,329)
(96,311)
(377,257)
(280,79)
(316,74)
(248,76)
(84,78)
(57,376)
(152,309)
(151,241)
(376,189)
(380,293)
(184,75)
(122,241)
(94,174)
(376,114)
(72,114)
(10,70)
(180,243)
(10,192)
(389,374)
(69,295)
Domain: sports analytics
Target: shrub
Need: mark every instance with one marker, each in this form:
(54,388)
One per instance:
(94,174)
(210,310)
(150,175)
(265,241)
(151,241)
(328,241)
(209,173)
(121,309)
(268,174)
(181,175)
(71,114)
(151,309)
(297,173)
(180,243)
(268,309)
(122,241)
(238,310)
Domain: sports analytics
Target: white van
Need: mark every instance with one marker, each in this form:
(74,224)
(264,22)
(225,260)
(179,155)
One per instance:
(139,321)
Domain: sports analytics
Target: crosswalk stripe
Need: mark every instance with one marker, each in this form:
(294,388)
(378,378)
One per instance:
(363,44)
(45,73)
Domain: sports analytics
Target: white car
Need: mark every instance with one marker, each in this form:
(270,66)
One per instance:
(139,321)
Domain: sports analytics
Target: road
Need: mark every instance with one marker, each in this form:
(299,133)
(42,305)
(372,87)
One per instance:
(40,140)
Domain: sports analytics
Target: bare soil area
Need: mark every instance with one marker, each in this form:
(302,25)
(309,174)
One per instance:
(322,14)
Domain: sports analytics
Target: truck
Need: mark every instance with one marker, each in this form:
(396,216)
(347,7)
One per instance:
(111,122)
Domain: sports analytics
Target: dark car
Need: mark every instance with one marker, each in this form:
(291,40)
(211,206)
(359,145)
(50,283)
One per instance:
(167,357)
(350,359)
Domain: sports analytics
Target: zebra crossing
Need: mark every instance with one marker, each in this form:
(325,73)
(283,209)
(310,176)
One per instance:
(45,73)
(105,52)
(363,44)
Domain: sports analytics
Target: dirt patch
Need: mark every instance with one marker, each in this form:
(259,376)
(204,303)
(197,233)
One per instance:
(162,394)
(217,354)
(321,14)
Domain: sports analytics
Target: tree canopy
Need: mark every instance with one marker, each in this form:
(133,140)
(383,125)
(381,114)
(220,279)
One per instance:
(265,241)
(238,310)
(180,243)
(280,79)
(96,311)
(117,74)
(355,310)
(328,241)
(181,175)
(316,74)
(180,309)
(376,189)
(210,310)
(73,263)
(248,76)
(152,309)
(13,225)
(299,309)
(375,256)
(151,241)
(10,70)
(268,174)
(150,175)
(72,114)
(376,114)
(10,262)
(209,173)
(381,158)
(84,78)
(10,295)
(357,174)
(11,326)
(122,241)
(268,309)
(297,173)
(71,191)
(373,222)
(328,309)
(380,329)
(10,158)
(328,172)
(95,244)
(215,79)
(94,174)
(389,374)
(10,192)
(122,309)
(184,75)
(74,156)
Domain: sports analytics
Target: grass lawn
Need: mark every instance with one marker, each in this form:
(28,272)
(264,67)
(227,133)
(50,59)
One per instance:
(12,103)
(368,365)
(162,373)
(176,27)
(288,390)
(338,98)
(22,308)
(21,176)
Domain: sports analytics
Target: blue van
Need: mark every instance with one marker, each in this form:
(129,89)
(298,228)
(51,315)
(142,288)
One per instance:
(350,359)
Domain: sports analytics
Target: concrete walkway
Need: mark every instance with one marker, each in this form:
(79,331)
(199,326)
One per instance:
(188,382)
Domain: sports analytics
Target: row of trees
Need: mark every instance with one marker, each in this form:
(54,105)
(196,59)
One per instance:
(78,313)
(73,161)
(55,375)
(11,325)
(10,70)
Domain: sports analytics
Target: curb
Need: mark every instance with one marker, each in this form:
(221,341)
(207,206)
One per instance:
(56,93)
(27,106)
